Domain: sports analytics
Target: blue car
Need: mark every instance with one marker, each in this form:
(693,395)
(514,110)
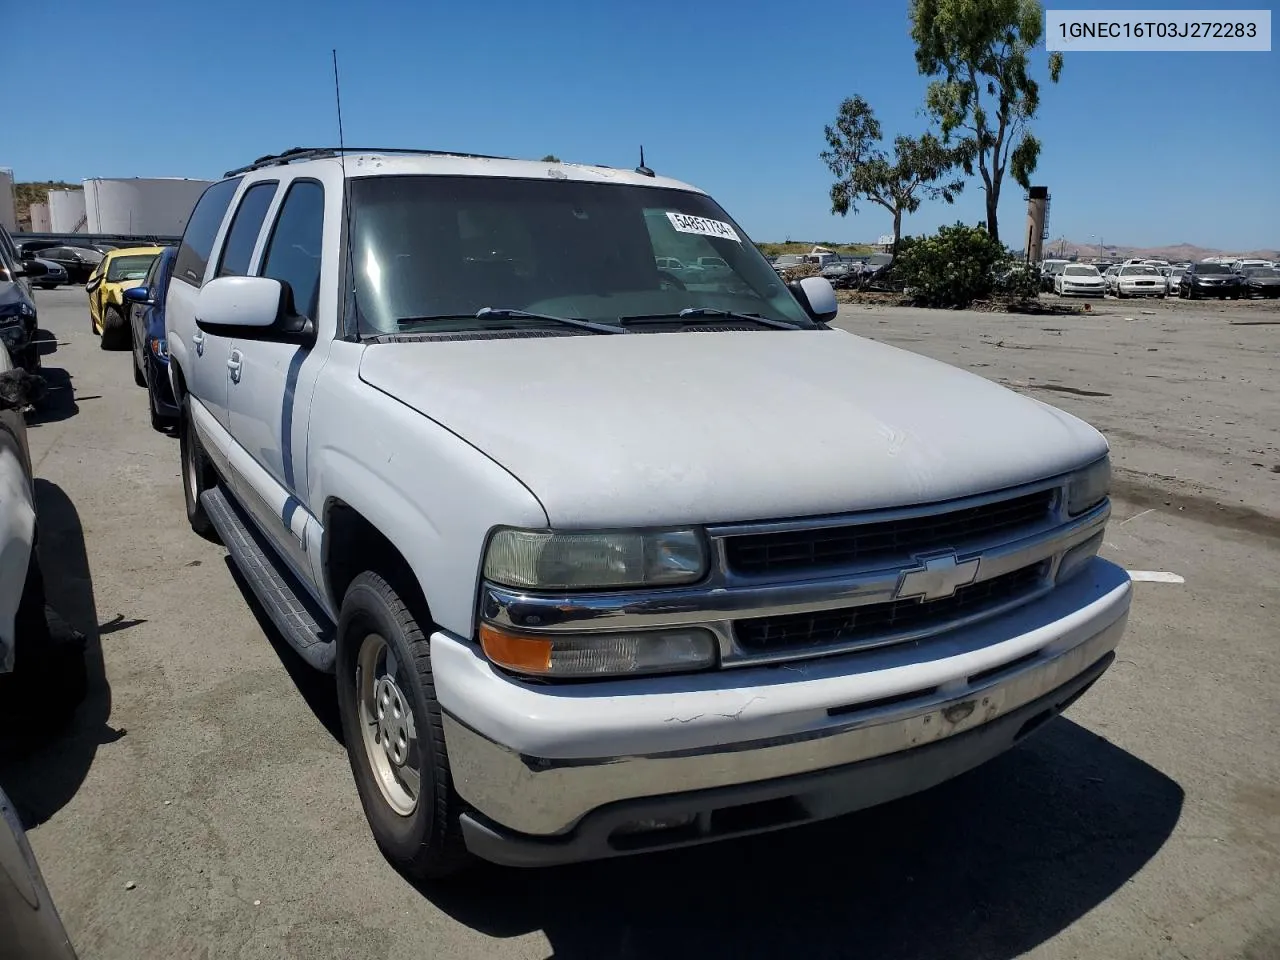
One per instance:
(150,352)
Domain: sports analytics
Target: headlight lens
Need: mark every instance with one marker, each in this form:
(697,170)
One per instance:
(1089,487)
(160,349)
(600,654)
(576,561)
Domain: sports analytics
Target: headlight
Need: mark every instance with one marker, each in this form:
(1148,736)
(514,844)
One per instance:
(600,654)
(160,349)
(1089,487)
(576,561)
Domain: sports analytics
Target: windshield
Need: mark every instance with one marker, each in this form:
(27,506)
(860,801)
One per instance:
(1081,272)
(133,267)
(1140,270)
(1211,268)
(1262,272)
(447,247)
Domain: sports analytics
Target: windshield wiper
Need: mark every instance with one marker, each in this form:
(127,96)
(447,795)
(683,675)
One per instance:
(503,313)
(708,313)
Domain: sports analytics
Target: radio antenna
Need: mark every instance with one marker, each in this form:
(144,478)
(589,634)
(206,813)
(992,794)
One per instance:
(346,205)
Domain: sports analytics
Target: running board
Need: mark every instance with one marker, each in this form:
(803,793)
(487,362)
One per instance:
(297,617)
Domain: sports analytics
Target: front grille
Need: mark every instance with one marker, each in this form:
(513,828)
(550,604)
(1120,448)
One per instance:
(876,621)
(759,554)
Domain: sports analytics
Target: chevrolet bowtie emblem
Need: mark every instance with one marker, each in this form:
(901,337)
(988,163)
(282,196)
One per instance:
(937,577)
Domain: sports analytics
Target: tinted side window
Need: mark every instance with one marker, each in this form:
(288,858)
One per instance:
(197,239)
(245,227)
(293,252)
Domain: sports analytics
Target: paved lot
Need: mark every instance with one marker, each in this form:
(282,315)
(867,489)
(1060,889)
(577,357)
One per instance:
(205,767)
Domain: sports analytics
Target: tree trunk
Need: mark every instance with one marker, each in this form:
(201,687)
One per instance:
(993,205)
(897,230)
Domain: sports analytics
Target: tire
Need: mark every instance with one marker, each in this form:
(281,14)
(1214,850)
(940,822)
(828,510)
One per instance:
(50,676)
(139,377)
(421,835)
(113,329)
(158,423)
(197,475)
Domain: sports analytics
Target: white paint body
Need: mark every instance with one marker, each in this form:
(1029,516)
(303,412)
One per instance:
(67,212)
(157,206)
(436,444)
(17,520)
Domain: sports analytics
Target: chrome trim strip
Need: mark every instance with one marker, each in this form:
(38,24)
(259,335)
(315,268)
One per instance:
(708,602)
(894,513)
(545,796)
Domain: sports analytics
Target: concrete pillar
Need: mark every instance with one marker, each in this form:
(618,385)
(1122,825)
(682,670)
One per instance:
(1037,217)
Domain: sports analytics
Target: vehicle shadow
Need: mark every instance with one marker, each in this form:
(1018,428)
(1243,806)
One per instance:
(316,688)
(40,769)
(986,866)
(59,401)
(46,342)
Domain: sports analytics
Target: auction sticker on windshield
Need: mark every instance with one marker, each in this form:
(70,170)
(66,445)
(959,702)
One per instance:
(685,223)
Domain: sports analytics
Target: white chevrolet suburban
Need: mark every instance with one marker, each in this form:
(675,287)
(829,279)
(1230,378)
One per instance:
(606,560)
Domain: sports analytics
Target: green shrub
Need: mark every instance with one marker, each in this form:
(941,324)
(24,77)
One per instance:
(958,265)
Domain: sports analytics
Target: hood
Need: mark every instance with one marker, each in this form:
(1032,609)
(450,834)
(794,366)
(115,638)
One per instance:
(673,428)
(10,292)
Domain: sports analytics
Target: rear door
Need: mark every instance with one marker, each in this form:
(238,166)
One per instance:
(200,358)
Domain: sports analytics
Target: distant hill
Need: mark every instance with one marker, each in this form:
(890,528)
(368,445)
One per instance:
(1173,252)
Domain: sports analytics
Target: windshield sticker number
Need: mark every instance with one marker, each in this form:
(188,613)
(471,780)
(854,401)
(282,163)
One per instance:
(685,223)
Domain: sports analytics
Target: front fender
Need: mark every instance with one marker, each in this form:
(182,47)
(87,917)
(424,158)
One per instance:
(431,494)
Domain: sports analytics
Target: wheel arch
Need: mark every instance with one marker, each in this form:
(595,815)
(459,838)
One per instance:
(353,544)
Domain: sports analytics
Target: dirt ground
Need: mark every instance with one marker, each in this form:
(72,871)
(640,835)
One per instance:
(206,770)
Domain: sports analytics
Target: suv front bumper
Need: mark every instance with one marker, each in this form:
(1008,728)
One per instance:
(557,773)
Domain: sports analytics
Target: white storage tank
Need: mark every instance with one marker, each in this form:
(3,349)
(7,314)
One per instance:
(159,206)
(8,208)
(66,211)
(40,222)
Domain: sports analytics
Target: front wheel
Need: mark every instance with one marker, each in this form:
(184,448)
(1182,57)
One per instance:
(113,329)
(197,474)
(392,726)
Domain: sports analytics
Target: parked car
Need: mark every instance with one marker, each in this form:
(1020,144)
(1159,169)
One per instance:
(1208,279)
(18,314)
(32,928)
(842,274)
(1243,266)
(1079,280)
(1171,281)
(118,271)
(1262,282)
(54,275)
(1138,280)
(150,350)
(1049,270)
(79,262)
(530,520)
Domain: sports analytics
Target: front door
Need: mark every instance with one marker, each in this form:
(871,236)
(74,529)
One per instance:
(272,382)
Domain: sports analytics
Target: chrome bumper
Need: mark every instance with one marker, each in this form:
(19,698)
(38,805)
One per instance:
(547,797)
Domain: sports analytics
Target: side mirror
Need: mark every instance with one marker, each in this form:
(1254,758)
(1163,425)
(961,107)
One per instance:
(252,308)
(817,296)
(138,295)
(32,268)
(19,389)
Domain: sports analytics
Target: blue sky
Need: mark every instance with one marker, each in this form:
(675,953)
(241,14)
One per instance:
(1140,148)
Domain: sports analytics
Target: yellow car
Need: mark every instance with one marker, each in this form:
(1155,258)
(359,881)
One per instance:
(118,271)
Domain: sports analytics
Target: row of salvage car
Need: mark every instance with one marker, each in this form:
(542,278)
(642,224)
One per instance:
(1144,278)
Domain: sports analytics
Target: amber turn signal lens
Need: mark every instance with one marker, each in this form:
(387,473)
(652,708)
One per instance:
(514,652)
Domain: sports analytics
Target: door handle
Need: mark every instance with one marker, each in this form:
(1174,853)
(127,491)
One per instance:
(198,339)
(233,364)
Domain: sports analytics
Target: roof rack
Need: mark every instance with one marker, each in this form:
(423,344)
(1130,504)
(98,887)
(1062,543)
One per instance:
(318,153)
